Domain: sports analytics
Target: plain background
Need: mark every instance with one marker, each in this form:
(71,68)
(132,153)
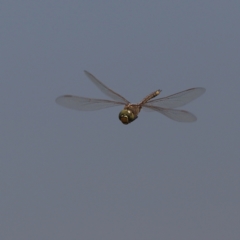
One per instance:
(84,175)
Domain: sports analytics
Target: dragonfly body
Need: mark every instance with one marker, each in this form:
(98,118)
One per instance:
(165,105)
(129,113)
(131,110)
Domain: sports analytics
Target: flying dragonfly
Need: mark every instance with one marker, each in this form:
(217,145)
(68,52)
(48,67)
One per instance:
(165,105)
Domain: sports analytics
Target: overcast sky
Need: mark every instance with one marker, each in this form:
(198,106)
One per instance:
(84,175)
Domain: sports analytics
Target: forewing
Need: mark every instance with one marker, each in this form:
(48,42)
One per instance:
(107,91)
(174,114)
(178,99)
(85,104)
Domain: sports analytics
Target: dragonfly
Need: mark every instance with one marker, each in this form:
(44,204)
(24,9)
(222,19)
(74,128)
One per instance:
(164,105)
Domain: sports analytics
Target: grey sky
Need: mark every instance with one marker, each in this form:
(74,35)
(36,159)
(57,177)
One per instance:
(84,175)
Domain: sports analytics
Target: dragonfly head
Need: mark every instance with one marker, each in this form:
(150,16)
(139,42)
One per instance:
(126,116)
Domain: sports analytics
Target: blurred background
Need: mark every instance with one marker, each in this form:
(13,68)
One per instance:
(84,175)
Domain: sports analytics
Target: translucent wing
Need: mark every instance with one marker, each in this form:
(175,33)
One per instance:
(178,99)
(110,93)
(85,104)
(174,114)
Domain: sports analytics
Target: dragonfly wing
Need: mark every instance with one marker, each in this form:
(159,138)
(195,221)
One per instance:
(175,114)
(178,99)
(107,91)
(85,104)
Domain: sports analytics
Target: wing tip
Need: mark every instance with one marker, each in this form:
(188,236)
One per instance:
(203,89)
(87,73)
